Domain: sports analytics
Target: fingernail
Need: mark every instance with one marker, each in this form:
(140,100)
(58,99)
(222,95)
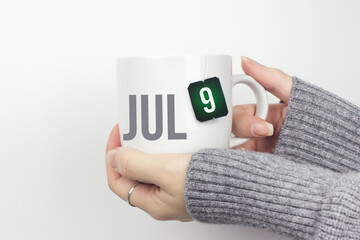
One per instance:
(243,58)
(262,129)
(246,59)
(111,156)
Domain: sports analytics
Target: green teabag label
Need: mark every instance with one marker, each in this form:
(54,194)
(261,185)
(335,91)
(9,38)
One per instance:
(207,99)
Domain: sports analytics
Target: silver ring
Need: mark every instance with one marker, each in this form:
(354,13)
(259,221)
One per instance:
(129,193)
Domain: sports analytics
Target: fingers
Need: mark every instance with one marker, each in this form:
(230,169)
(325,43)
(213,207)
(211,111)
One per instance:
(165,199)
(273,80)
(113,142)
(114,139)
(156,169)
(246,125)
(141,196)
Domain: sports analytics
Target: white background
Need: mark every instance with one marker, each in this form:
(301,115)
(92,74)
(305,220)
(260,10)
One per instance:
(58,96)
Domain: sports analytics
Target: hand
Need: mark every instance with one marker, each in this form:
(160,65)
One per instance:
(264,134)
(164,174)
(163,195)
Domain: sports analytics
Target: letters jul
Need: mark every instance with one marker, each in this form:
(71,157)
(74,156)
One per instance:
(158,116)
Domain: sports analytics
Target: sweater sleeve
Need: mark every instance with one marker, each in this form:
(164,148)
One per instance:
(304,201)
(320,128)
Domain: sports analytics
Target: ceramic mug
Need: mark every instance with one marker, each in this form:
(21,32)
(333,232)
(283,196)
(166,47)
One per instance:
(174,104)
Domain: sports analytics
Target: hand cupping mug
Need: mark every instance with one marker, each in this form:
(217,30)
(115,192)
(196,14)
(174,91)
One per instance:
(174,104)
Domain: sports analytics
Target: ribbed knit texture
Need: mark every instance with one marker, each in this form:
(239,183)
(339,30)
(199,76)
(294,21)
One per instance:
(311,191)
(320,128)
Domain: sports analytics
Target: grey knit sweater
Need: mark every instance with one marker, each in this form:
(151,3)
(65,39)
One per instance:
(308,189)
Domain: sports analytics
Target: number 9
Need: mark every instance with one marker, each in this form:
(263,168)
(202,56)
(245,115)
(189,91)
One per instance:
(206,101)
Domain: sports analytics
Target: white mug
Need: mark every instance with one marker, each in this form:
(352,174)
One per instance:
(175,104)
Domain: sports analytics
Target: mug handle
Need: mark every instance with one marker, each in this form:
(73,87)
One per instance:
(261,102)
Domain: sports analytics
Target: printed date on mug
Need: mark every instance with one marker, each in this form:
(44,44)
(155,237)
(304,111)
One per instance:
(207,99)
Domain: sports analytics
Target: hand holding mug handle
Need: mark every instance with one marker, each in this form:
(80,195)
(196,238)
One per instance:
(163,198)
(261,102)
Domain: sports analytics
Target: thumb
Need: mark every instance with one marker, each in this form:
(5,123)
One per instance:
(134,165)
(147,168)
(273,80)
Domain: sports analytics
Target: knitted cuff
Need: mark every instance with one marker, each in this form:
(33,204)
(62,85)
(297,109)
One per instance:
(320,128)
(339,216)
(260,190)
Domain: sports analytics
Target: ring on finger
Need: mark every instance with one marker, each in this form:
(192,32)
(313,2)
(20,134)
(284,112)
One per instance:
(130,191)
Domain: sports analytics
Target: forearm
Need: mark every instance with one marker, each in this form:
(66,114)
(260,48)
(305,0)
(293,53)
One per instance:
(269,191)
(320,128)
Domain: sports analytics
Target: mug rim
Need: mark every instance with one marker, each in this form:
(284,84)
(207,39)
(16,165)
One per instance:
(158,57)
